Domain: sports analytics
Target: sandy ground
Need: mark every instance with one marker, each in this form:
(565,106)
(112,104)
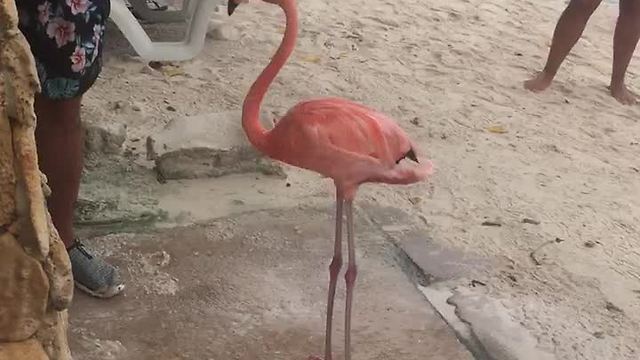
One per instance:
(448,71)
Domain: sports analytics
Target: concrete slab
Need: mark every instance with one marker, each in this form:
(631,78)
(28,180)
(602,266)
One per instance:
(501,336)
(254,287)
(206,145)
(450,279)
(430,262)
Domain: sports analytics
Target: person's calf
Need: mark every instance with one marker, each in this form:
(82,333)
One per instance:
(583,7)
(625,41)
(60,143)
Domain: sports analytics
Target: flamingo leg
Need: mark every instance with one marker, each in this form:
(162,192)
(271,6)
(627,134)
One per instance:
(334,270)
(350,278)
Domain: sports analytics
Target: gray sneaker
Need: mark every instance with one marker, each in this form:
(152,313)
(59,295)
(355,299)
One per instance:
(92,275)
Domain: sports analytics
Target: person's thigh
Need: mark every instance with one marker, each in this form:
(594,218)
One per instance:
(630,7)
(66,38)
(588,6)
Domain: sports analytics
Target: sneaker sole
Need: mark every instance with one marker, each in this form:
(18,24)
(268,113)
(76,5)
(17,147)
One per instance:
(109,293)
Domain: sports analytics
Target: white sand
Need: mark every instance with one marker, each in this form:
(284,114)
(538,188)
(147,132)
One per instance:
(568,159)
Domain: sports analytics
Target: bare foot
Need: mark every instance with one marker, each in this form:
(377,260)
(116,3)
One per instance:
(623,95)
(538,83)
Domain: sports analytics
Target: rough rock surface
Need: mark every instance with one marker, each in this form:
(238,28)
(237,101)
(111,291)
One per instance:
(206,145)
(35,273)
(102,135)
(23,293)
(116,193)
(104,138)
(25,350)
(7,176)
(57,266)
(52,335)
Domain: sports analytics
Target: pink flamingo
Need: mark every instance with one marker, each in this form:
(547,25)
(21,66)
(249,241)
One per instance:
(337,138)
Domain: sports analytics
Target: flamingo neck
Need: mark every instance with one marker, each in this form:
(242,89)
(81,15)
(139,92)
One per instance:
(256,133)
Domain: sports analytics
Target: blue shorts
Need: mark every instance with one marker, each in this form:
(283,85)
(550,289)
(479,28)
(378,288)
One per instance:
(66,39)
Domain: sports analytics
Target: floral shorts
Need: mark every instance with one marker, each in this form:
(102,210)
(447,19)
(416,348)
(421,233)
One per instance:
(66,41)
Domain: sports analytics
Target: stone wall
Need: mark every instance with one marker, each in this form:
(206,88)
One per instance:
(35,272)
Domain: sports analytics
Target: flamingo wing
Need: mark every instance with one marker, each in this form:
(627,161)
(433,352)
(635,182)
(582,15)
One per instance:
(340,139)
(352,127)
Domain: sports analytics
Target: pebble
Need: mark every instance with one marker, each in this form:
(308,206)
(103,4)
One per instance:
(222,32)
(589,244)
(119,105)
(530,221)
(148,70)
(613,308)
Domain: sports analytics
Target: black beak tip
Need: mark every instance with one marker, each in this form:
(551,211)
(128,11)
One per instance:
(231,7)
(412,156)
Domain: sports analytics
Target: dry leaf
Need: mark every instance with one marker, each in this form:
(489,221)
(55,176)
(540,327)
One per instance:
(312,59)
(338,56)
(497,129)
(171,71)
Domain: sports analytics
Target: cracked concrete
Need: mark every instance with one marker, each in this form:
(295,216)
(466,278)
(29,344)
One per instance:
(253,286)
(448,278)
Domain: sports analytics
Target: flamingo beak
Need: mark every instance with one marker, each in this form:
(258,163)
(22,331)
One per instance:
(231,7)
(411,155)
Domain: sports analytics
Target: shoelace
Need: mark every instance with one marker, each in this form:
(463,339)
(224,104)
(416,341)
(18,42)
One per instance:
(78,245)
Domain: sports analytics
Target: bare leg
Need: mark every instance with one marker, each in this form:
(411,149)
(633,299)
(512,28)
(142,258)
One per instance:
(624,44)
(59,140)
(350,278)
(568,30)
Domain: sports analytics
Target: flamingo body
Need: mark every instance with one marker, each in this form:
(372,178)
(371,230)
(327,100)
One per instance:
(345,141)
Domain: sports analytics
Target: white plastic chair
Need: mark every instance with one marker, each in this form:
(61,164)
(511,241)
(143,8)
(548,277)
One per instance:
(141,7)
(197,14)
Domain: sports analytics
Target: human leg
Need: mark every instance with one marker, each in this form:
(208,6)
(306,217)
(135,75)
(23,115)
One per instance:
(66,41)
(625,41)
(568,31)
(60,143)
(59,140)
